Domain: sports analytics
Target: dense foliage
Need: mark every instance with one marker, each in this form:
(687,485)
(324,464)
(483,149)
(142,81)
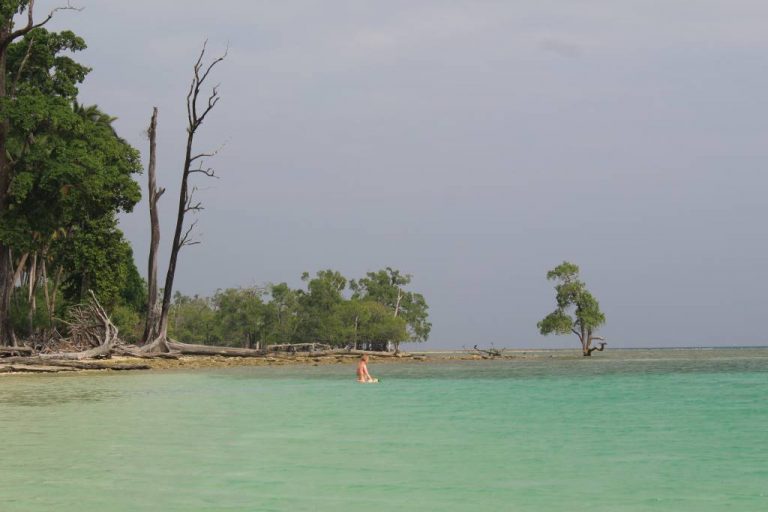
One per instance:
(370,317)
(71,175)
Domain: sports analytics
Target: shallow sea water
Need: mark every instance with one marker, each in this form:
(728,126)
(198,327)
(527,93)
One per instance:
(627,430)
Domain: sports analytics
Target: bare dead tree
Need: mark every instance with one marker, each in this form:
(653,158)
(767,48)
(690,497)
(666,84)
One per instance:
(7,284)
(151,327)
(197,111)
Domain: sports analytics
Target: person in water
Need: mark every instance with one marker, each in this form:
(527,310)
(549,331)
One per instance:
(362,371)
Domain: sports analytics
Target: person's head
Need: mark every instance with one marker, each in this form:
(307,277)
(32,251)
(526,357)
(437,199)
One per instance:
(364,358)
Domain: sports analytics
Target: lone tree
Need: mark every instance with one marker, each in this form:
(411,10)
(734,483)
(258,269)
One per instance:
(572,295)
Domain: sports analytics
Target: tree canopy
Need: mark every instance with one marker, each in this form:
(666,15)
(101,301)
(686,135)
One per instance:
(577,312)
(275,314)
(69,176)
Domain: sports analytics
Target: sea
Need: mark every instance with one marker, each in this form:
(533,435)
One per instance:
(625,430)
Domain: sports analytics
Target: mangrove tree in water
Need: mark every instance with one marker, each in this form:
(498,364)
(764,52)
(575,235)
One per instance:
(572,296)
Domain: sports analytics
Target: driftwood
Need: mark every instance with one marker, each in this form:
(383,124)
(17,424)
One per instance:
(370,353)
(298,347)
(67,364)
(90,325)
(15,351)
(492,352)
(210,350)
(33,369)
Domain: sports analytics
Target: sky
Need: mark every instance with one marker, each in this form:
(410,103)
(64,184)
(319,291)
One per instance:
(472,144)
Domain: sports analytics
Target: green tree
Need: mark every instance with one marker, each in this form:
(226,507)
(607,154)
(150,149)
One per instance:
(193,320)
(240,315)
(386,288)
(366,324)
(282,314)
(318,307)
(71,174)
(577,312)
(9,86)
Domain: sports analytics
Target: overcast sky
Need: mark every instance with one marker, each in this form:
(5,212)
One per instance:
(473,144)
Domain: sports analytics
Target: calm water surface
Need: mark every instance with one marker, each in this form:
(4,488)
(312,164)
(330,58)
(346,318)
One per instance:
(671,430)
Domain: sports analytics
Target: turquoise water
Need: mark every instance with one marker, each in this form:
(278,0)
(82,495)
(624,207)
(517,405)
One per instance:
(628,430)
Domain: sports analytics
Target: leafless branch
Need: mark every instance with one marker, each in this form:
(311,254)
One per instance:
(190,206)
(208,171)
(194,118)
(31,25)
(208,154)
(185,239)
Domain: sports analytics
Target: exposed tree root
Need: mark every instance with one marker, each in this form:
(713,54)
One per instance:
(593,349)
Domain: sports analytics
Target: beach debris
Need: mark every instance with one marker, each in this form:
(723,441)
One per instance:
(491,352)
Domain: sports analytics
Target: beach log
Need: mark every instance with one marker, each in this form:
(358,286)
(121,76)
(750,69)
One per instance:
(49,365)
(209,350)
(15,351)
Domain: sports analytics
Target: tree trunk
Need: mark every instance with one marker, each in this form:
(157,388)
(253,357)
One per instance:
(32,294)
(6,285)
(181,237)
(584,342)
(151,327)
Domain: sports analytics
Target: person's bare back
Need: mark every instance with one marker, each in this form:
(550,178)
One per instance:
(362,371)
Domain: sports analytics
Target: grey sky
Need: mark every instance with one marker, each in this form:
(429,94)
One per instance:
(473,144)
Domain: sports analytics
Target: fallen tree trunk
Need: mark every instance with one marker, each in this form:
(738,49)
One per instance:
(15,351)
(209,350)
(493,352)
(41,362)
(34,369)
(370,353)
(137,352)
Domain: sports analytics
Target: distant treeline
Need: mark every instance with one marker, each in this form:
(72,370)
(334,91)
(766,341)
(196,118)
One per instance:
(370,312)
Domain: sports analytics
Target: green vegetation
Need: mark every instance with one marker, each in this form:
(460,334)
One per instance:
(65,175)
(259,316)
(572,294)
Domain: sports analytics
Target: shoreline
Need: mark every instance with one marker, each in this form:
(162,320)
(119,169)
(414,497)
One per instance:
(193,362)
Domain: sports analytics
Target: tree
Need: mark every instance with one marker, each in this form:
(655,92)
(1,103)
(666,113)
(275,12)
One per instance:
(282,314)
(69,174)
(240,315)
(386,287)
(318,305)
(193,320)
(196,114)
(9,33)
(572,295)
(365,324)
(150,325)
